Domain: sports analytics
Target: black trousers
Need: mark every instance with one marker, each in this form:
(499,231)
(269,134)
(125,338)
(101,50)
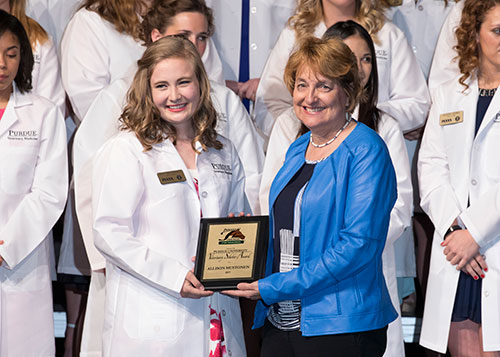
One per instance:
(277,343)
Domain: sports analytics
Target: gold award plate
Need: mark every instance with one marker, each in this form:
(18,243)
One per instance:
(231,250)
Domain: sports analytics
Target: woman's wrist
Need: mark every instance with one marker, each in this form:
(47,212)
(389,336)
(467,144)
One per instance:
(452,229)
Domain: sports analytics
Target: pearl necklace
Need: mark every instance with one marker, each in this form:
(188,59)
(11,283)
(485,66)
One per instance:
(319,146)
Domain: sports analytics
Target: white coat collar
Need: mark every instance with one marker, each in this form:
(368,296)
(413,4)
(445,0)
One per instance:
(493,111)
(168,146)
(16,101)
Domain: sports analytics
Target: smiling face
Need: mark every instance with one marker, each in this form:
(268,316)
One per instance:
(10,57)
(192,25)
(488,40)
(363,57)
(175,92)
(319,102)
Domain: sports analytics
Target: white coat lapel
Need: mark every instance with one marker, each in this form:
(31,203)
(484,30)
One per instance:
(10,116)
(492,115)
(168,147)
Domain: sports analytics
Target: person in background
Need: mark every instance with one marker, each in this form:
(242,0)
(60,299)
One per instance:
(246,31)
(53,15)
(444,65)
(421,22)
(154,303)
(288,128)
(459,185)
(402,91)
(329,209)
(33,189)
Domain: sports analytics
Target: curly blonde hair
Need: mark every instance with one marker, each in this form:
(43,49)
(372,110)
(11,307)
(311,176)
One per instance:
(473,16)
(123,14)
(141,116)
(309,13)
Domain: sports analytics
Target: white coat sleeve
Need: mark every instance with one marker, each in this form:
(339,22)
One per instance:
(409,98)
(40,209)
(444,65)
(48,83)
(403,208)
(272,97)
(283,134)
(482,219)
(437,196)
(249,146)
(213,63)
(117,189)
(238,201)
(84,61)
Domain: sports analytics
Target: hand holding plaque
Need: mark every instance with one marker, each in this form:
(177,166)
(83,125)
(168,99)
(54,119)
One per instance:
(231,250)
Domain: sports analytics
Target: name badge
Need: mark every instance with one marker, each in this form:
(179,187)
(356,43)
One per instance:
(171,177)
(451,118)
(395,2)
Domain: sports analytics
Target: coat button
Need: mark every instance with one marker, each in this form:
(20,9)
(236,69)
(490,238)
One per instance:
(229,353)
(420,7)
(223,312)
(253,46)
(253,10)
(486,293)
(473,182)
(204,194)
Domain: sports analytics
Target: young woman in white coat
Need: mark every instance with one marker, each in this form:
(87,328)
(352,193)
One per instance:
(147,230)
(402,89)
(460,188)
(33,188)
(288,128)
(192,19)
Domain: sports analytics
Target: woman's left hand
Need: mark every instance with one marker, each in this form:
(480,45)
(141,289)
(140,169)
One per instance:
(460,248)
(246,290)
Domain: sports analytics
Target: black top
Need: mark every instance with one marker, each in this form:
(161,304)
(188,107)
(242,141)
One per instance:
(285,315)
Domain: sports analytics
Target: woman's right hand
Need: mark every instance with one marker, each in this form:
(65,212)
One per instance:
(192,288)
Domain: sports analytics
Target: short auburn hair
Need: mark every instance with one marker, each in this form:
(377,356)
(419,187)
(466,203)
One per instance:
(330,58)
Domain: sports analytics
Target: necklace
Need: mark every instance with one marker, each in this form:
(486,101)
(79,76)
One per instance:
(319,146)
(487,92)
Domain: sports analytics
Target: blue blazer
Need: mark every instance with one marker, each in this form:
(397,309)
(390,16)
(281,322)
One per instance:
(344,221)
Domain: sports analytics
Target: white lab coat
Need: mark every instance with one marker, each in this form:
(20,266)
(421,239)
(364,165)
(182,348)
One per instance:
(148,233)
(421,23)
(100,124)
(93,54)
(267,19)
(455,168)
(402,91)
(285,132)
(33,188)
(444,66)
(46,76)
(53,15)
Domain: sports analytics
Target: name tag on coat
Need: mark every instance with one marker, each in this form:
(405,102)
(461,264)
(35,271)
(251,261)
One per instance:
(171,177)
(451,118)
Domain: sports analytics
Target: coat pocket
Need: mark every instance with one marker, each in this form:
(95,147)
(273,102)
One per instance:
(17,170)
(152,315)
